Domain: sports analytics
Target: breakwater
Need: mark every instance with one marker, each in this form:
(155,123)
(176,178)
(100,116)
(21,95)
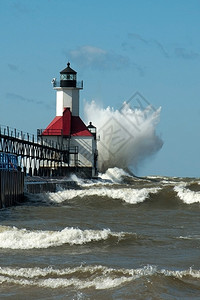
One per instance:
(37,185)
(11,188)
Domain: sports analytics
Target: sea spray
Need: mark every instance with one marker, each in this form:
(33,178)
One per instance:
(126,136)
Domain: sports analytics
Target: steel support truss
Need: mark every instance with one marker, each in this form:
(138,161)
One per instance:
(35,157)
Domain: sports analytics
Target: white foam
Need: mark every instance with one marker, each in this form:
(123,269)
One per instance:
(128,195)
(77,179)
(181,274)
(166,180)
(190,237)
(111,176)
(97,276)
(14,238)
(127,136)
(186,195)
(115,175)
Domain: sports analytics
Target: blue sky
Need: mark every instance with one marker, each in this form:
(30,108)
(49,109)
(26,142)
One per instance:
(117,48)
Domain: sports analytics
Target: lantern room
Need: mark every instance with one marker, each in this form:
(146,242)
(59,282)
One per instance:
(68,77)
(92,129)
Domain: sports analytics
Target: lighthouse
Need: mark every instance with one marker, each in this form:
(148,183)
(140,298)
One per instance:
(67,94)
(67,128)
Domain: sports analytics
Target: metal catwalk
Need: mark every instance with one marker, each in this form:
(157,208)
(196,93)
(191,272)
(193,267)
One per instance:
(35,155)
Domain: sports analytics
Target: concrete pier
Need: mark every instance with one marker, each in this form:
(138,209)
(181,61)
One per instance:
(39,185)
(11,188)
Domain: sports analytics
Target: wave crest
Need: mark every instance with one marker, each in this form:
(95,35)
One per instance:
(129,195)
(186,195)
(97,276)
(14,238)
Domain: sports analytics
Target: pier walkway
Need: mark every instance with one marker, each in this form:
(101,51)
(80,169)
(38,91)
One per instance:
(35,155)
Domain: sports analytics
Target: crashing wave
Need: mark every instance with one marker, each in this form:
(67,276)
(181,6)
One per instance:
(127,136)
(129,195)
(186,195)
(14,238)
(82,277)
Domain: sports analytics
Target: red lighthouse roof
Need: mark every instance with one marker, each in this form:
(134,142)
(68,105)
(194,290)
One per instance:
(67,125)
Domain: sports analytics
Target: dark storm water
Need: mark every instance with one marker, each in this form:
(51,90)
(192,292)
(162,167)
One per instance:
(115,238)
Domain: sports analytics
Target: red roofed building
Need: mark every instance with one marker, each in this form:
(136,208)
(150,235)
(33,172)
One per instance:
(67,125)
(67,128)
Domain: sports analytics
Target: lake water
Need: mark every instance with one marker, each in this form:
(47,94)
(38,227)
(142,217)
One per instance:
(118,237)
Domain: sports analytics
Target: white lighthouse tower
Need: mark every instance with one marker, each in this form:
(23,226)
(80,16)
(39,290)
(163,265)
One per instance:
(68,92)
(69,130)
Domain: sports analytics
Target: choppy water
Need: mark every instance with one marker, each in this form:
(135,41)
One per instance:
(116,238)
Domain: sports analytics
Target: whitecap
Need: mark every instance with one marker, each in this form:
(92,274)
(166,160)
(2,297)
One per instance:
(181,274)
(190,237)
(129,195)
(14,238)
(186,195)
(115,175)
(81,277)
(98,277)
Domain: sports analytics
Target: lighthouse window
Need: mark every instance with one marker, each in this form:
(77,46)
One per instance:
(67,76)
(63,76)
(72,77)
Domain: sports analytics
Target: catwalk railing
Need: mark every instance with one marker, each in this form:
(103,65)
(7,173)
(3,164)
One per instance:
(36,155)
(77,84)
